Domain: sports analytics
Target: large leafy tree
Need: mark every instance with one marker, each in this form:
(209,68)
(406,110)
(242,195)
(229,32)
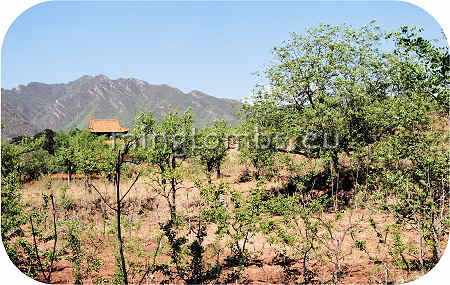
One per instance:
(421,66)
(383,97)
(337,89)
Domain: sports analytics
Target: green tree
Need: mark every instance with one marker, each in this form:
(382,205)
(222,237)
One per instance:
(65,153)
(212,147)
(421,66)
(296,232)
(163,146)
(90,153)
(336,90)
(13,214)
(238,218)
(413,167)
(165,141)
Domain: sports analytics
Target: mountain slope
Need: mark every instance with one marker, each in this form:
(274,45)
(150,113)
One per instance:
(30,108)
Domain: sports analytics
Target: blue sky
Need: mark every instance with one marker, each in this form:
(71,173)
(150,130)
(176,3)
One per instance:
(213,47)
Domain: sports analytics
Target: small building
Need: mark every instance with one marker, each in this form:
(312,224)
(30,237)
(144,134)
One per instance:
(106,127)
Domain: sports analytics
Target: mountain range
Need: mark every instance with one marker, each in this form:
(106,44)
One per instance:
(36,106)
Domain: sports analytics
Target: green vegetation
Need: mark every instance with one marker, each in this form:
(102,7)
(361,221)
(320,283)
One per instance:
(345,155)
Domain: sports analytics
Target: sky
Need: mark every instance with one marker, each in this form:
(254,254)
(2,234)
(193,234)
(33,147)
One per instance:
(214,47)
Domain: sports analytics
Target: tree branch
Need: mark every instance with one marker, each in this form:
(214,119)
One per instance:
(52,259)
(137,177)
(103,198)
(36,250)
(153,263)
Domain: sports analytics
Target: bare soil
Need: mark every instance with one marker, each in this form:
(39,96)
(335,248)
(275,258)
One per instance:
(145,208)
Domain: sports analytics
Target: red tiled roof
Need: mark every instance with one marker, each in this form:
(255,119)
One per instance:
(106,126)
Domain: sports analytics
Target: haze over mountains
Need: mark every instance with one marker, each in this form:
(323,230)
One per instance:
(36,106)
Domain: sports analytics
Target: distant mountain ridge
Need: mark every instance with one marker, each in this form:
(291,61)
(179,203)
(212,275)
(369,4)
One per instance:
(36,106)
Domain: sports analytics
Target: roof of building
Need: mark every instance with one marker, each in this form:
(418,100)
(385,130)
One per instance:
(106,126)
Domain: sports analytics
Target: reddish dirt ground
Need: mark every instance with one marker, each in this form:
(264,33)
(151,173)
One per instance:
(359,268)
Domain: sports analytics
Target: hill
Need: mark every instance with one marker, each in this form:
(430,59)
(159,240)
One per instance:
(36,106)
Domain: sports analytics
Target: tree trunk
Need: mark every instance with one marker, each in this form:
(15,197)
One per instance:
(218,170)
(209,168)
(420,238)
(172,182)
(334,163)
(119,229)
(86,182)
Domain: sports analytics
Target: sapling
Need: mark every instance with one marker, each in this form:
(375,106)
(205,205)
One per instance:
(36,233)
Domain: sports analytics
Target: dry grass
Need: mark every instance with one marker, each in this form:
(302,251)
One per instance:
(143,209)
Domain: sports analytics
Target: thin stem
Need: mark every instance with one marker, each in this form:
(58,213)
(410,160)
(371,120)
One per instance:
(119,229)
(52,259)
(129,189)
(36,250)
(103,198)
(152,267)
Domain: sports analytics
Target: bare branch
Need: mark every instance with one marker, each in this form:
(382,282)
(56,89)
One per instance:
(131,161)
(103,198)
(152,267)
(132,184)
